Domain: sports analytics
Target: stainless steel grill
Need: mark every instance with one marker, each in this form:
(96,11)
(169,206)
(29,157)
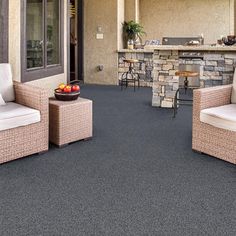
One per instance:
(181,40)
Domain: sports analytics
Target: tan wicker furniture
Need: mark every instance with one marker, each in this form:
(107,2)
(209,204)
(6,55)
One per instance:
(206,138)
(26,140)
(69,121)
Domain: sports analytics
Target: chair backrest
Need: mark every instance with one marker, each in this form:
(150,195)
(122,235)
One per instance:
(6,83)
(233,95)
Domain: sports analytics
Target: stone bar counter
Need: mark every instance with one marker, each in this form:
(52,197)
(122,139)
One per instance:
(160,63)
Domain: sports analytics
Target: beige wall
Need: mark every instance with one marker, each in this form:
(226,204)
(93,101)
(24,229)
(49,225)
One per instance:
(187,18)
(14,48)
(101,13)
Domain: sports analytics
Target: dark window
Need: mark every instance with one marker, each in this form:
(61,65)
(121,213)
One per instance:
(3,31)
(42,38)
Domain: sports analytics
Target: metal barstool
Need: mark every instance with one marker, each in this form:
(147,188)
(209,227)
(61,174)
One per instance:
(177,100)
(130,76)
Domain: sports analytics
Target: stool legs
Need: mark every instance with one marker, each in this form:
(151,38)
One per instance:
(129,76)
(177,101)
(138,78)
(123,80)
(175,105)
(185,85)
(134,84)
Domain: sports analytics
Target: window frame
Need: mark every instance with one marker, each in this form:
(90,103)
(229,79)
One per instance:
(47,70)
(4,10)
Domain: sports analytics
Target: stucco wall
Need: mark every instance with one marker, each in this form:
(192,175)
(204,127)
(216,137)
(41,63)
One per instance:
(14,48)
(100,13)
(187,18)
(120,21)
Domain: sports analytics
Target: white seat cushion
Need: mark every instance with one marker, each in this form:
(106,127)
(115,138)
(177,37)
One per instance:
(233,95)
(14,115)
(223,117)
(6,83)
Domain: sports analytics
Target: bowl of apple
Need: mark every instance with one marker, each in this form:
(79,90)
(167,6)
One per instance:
(67,92)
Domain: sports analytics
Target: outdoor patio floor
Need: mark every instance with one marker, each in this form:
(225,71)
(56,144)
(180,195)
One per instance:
(137,176)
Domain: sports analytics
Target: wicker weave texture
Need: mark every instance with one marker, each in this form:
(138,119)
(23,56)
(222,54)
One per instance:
(26,140)
(208,139)
(70,121)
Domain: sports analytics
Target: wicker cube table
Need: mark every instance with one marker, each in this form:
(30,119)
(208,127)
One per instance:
(69,121)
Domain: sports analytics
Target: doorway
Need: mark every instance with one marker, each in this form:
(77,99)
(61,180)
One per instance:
(76,25)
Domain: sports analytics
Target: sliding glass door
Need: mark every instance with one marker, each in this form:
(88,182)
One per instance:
(42,38)
(42,33)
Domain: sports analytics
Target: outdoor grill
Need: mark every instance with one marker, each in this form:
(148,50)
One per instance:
(181,40)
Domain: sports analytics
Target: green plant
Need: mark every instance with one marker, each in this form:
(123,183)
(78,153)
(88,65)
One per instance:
(133,30)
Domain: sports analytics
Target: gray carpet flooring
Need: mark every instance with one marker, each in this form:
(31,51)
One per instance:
(137,176)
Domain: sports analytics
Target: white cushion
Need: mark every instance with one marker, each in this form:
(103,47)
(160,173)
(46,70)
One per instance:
(2,102)
(6,83)
(14,115)
(223,117)
(233,95)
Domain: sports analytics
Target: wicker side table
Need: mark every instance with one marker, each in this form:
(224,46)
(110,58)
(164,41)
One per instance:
(69,121)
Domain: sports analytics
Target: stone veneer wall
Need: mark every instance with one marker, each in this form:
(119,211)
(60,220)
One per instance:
(144,68)
(216,68)
(165,83)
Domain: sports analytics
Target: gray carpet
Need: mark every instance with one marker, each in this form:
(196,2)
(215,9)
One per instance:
(137,176)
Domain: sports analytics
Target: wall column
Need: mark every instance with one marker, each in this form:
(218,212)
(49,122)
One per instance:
(120,21)
(132,10)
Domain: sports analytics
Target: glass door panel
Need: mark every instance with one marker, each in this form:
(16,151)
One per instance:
(53,32)
(34,33)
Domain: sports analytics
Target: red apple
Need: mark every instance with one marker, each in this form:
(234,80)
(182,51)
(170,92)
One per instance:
(67,89)
(75,88)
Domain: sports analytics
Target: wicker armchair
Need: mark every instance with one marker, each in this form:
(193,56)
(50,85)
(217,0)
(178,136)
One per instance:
(26,140)
(206,138)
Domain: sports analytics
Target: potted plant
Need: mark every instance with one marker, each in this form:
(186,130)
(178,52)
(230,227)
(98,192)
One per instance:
(133,32)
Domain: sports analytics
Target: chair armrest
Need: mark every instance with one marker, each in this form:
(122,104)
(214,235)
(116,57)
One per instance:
(31,96)
(210,97)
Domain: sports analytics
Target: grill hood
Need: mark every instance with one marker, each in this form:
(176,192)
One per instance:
(181,40)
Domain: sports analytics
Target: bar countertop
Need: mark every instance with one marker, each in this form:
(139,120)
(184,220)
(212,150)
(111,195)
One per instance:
(151,49)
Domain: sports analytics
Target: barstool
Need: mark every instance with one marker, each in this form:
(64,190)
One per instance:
(130,76)
(177,100)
